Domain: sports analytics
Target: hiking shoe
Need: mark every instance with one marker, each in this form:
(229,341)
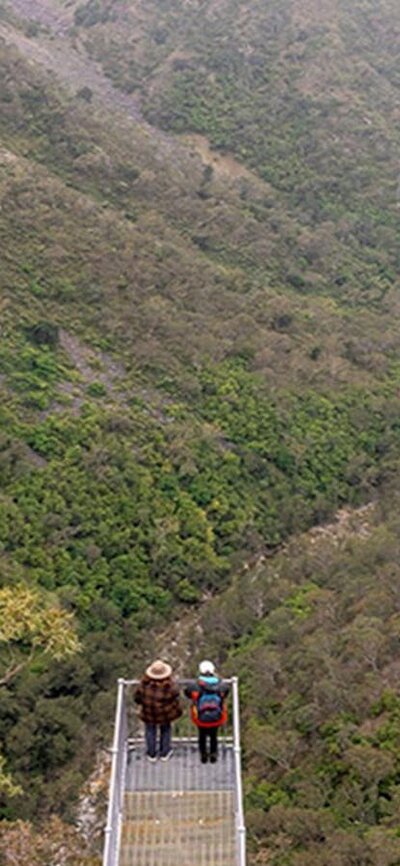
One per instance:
(152,758)
(167,756)
(204,759)
(213,759)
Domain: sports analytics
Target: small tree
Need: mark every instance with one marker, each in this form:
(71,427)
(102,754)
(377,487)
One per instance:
(44,334)
(30,628)
(85,93)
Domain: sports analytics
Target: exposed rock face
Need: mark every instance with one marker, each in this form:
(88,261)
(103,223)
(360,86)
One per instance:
(91,812)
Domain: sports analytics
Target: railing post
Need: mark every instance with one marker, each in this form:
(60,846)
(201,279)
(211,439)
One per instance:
(114,797)
(240,825)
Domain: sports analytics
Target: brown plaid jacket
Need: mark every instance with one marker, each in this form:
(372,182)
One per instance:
(159,700)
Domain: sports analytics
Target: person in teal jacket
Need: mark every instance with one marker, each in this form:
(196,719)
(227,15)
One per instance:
(209,711)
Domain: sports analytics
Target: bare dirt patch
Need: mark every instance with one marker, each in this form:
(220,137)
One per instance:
(48,13)
(222,163)
(93,366)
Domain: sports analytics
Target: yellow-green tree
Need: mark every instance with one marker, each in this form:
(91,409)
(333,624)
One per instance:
(32,626)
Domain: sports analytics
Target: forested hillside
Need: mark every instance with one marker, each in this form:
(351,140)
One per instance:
(315,636)
(200,360)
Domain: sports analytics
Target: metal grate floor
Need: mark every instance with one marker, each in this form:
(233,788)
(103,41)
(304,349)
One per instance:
(186,828)
(183,772)
(181,812)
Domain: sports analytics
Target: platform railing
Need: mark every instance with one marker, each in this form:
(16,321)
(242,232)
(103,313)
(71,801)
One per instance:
(129,734)
(112,830)
(240,822)
(183,730)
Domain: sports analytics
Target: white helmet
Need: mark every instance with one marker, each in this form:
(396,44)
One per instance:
(206,667)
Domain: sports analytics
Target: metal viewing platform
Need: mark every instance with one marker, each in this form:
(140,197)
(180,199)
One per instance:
(179,812)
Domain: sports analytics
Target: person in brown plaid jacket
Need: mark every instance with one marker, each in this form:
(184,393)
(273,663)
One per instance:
(158,697)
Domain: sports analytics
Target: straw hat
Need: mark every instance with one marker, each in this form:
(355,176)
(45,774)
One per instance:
(159,670)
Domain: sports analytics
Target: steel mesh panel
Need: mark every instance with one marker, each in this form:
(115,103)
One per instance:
(183,828)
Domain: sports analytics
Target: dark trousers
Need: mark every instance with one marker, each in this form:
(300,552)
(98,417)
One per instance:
(164,739)
(211,735)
